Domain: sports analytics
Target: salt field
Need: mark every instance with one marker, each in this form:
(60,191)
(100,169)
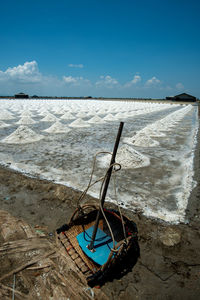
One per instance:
(58,139)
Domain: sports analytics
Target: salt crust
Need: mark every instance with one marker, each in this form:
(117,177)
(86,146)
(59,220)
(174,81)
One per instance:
(57,127)
(79,123)
(22,135)
(18,106)
(127,157)
(3,125)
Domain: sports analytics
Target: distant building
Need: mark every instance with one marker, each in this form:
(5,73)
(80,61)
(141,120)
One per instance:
(21,96)
(182,97)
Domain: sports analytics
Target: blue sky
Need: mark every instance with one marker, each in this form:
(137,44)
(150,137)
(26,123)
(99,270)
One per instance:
(128,48)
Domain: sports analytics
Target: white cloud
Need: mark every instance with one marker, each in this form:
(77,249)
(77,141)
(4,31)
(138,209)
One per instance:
(135,80)
(27,78)
(69,79)
(179,86)
(78,81)
(26,73)
(153,81)
(76,66)
(106,81)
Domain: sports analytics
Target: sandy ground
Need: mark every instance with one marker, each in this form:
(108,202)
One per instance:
(169,266)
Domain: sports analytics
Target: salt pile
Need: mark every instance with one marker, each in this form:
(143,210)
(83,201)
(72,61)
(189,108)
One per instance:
(57,127)
(91,113)
(49,118)
(102,111)
(81,114)
(96,119)
(141,140)
(26,114)
(42,112)
(22,135)
(6,115)
(67,116)
(109,117)
(79,123)
(121,115)
(26,120)
(163,126)
(127,157)
(58,111)
(152,131)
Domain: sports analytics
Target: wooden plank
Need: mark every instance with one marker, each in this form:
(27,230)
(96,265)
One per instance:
(74,256)
(69,248)
(84,268)
(78,260)
(71,251)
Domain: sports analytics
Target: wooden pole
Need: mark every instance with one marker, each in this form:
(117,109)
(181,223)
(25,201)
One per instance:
(107,180)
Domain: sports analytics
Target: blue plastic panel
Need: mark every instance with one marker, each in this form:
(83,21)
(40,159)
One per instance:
(102,245)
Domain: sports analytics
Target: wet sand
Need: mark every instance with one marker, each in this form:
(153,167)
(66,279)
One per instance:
(169,266)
